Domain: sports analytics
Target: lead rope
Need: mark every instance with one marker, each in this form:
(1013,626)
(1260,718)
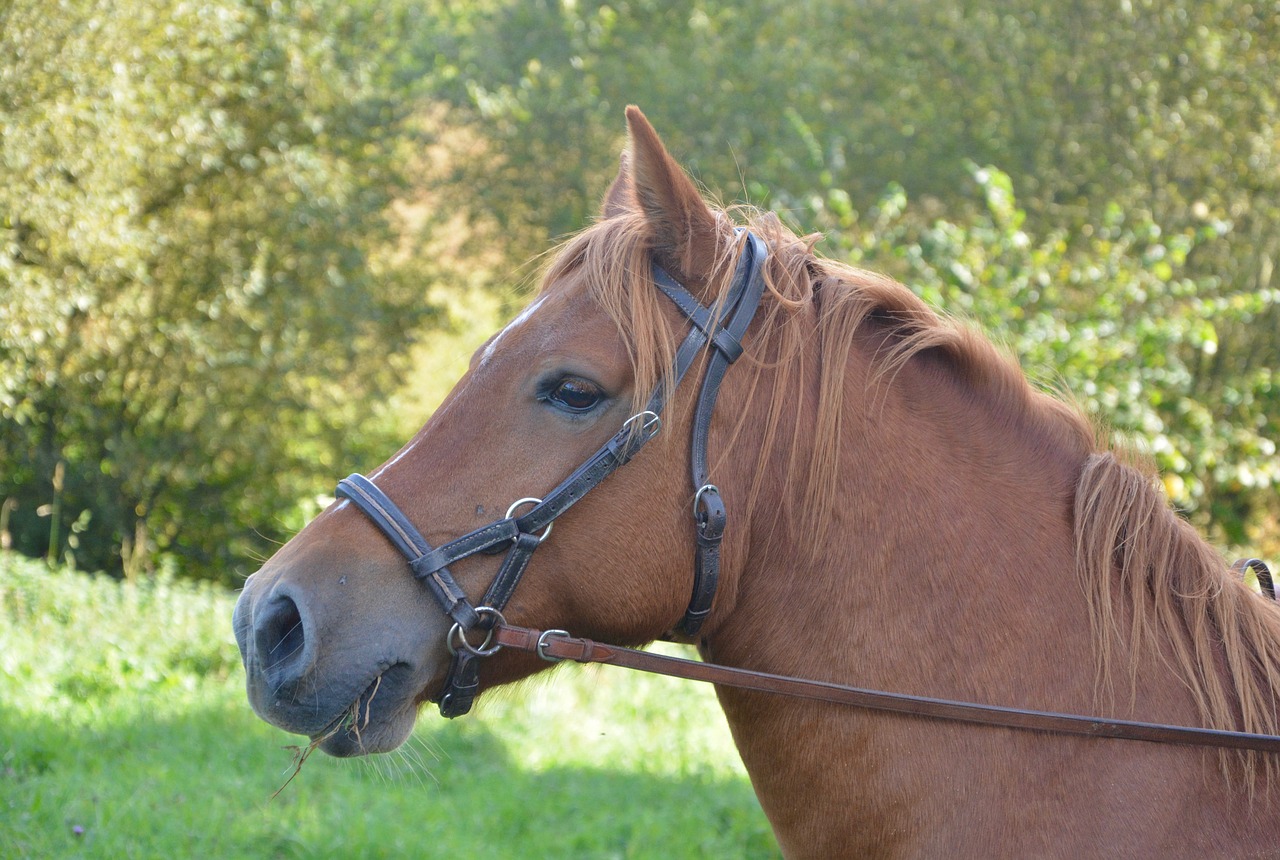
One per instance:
(557,645)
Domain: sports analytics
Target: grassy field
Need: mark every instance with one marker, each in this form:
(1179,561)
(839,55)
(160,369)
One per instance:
(124,732)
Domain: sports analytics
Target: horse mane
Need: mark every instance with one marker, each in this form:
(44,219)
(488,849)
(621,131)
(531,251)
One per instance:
(1152,583)
(615,254)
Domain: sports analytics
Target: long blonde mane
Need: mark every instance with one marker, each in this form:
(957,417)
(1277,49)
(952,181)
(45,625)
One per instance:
(1152,584)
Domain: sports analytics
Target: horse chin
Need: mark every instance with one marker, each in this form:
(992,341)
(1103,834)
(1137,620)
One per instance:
(380,736)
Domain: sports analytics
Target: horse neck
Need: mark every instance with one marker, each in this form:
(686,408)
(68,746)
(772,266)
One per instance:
(949,550)
(947,569)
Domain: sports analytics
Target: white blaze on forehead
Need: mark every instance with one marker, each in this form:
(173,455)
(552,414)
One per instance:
(520,320)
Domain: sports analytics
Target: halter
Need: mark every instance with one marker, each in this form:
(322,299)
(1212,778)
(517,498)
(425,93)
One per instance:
(719,331)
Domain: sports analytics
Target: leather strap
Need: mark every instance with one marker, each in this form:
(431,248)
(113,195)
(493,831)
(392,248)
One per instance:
(430,565)
(1261,571)
(557,645)
(723,331)
(366,496)
(461,685)
(513,567)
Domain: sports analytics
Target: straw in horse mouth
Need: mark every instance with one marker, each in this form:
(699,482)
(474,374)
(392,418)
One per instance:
(356,725)
(350,719)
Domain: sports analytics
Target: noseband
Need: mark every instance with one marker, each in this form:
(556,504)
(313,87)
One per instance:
(719,331)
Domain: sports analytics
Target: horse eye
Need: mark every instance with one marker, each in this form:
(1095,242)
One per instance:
(574,395)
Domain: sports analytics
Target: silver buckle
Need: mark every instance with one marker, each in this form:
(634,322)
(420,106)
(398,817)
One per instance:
(542,644)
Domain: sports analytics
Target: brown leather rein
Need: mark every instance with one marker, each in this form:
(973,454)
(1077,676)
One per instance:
(557,645)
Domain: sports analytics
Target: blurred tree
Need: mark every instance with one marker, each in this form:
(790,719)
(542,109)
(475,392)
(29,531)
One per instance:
(199,290)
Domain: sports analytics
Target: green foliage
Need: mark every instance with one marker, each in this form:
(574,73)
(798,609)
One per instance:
(1164,103)
(124,732)
(196,270)
(216,236)
(1111,316)
(70,641)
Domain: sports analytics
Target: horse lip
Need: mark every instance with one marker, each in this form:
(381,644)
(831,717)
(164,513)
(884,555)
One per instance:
(373,721)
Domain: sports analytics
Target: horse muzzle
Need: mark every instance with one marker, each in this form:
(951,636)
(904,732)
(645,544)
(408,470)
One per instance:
(324,662)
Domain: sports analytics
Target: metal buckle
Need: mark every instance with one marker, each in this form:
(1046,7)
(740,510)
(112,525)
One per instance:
(527,500)
(481,650)
(702,491)
(542,644)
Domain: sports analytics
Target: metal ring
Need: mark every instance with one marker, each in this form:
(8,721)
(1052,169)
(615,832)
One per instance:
(702,491)
(542,644)
(546,533)
(481,650)
(654,420)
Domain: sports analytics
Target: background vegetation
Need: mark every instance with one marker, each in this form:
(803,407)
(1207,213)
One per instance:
(1094,181)
(124,733)
(223,223)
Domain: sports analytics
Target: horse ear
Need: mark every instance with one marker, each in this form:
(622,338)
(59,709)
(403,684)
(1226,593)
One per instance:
(684,228)
(621,197)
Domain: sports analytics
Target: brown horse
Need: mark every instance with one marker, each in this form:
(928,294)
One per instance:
(903,512)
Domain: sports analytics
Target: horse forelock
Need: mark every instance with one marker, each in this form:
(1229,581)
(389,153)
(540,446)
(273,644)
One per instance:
(613,257)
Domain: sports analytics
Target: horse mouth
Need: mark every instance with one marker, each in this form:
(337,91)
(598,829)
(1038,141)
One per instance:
(378,720)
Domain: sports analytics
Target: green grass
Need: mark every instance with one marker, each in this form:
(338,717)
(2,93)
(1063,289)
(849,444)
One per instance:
(124,732)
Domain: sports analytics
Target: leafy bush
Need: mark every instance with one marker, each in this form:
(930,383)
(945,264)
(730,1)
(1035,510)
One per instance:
(202,297)
(1110,314)
(1146,128)
(198,278)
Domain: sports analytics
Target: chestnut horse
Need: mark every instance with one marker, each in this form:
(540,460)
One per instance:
(903,511)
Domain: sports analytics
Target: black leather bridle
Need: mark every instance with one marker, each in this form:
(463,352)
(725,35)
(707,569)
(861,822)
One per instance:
(717,330)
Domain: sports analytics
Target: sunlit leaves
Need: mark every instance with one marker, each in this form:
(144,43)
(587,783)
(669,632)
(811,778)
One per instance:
(194,264)
(1109,119)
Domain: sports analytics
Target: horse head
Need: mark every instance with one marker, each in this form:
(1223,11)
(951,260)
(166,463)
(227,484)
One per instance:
(342,643)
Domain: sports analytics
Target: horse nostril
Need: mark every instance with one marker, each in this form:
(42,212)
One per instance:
(281,641)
